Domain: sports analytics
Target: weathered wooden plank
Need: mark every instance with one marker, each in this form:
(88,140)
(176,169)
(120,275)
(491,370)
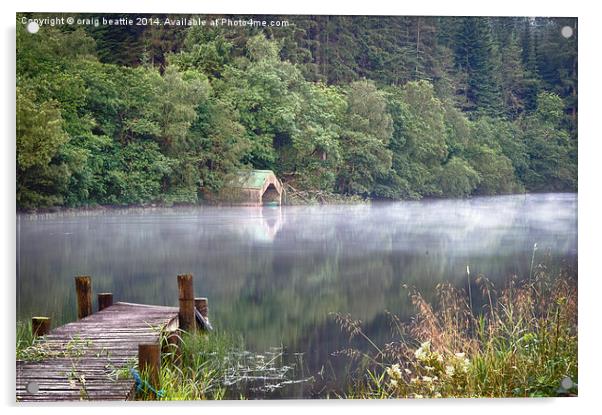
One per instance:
(95,347)
(70,362)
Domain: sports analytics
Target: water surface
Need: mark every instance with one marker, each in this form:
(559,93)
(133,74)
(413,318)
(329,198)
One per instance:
(275,274)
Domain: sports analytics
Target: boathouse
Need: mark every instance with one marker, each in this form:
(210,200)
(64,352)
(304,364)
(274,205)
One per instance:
(253,188)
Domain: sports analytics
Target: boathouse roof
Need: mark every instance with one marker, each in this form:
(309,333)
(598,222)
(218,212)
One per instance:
(253,188)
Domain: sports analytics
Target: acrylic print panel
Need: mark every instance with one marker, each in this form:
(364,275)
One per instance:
(266,207)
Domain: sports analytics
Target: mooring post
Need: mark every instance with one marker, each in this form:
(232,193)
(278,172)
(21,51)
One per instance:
(202,304)
(149,364)
(105,300)
(83,288)
(40,326)
(186,297)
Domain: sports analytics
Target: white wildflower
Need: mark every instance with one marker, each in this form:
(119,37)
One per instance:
(427,379)
(423,351)
(465,365)
(449,370)
(394,371)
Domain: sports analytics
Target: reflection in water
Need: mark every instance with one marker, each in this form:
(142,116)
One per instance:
(264,223)
(275,273)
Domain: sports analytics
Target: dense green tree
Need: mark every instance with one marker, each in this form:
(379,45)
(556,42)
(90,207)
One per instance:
(146,41)
(137,174)
(484,153)
(529,59)
(557,63)
(364,140)
(218,146)
(317,148)
(419,139)
(458,178)
(180,94)
(476,57)
(512,78)
(205,50)
(496,175)
(552,163)
(40,177)
(384,107)
(262,88)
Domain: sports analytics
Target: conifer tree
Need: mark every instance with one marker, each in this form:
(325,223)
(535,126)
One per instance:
(475,56)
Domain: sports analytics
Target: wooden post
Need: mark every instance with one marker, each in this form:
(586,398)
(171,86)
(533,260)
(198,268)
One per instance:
(186,297)
(83,288)
(149,363)
(104,300)
(202,304)
(40,326)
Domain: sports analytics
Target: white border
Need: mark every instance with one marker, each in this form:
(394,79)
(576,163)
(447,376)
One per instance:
(590,155)
(373,7)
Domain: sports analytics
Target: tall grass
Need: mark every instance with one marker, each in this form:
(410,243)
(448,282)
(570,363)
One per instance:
(24,337)
(215,365)
(522,343)
(195,369)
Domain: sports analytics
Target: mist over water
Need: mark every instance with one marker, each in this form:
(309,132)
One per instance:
(275,274)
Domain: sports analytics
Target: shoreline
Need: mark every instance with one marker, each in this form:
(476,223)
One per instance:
(337,200)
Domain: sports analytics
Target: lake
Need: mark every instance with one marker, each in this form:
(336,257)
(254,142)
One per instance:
(275,274)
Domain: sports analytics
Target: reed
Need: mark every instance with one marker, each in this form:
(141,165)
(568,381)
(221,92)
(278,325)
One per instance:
(522,343)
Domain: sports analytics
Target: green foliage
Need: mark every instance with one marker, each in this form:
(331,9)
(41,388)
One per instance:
(429,107)
(180,94)
(218,143)
(513,77)
(368,129)
(197,370)
(497,175)
(458,178)
(263,91)
(494,170)
(316,146)
(206,51)
(138,173)
(41,177)
(552,162)
(419,139)
(39,132)
(24,337)
(475,55)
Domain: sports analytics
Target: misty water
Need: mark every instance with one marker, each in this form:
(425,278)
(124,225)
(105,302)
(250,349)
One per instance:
(275,274)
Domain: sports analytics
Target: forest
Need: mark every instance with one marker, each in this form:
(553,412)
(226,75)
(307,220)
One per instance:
(378,107)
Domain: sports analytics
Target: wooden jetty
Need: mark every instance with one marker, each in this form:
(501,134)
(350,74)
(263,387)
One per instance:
(90,359)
